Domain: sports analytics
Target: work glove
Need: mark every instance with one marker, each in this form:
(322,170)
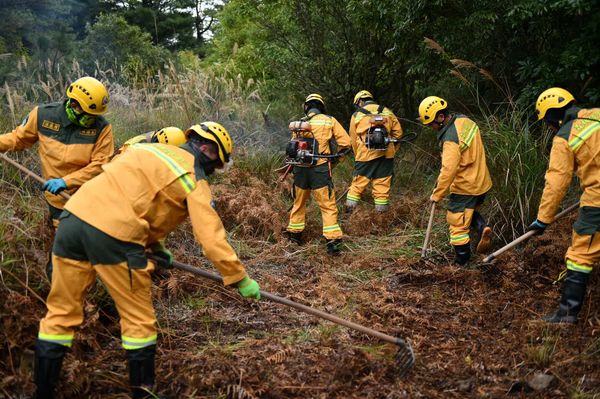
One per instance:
(249,288)
(54,186)
(538,226)
(165,256)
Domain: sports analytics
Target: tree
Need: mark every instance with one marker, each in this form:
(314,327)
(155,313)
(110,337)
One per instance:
(113,44)
(173,24)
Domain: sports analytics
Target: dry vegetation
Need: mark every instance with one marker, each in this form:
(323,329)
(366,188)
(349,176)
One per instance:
(475,333)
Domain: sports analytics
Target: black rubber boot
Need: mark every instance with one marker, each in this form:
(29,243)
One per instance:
(141,371)
(294,237)
(48,362)
(334,247)
(571,301)
(463,254)
(483,240)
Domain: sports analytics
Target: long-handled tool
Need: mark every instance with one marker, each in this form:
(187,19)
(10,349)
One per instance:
(526,236)
(405,356)
(428,232)
(29,173)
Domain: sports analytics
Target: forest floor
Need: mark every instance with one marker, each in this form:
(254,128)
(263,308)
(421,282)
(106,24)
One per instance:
(475,331)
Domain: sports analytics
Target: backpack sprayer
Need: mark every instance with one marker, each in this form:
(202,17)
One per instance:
(303,148)
(377,136)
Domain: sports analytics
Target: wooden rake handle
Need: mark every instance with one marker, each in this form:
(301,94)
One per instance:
(428,232)
(29,173)
(527,235)
(298,306)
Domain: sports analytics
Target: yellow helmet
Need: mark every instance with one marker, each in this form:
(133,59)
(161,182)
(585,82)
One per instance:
(91,95)
(216,133)
(362,94)
(314,97)
(429,108)
(554,97)
(170,135)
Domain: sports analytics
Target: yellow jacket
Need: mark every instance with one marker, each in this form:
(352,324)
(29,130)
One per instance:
(358,133)
(325,128)
(464,170)
(146,192)
(140,138)
(576,147)
(66,150)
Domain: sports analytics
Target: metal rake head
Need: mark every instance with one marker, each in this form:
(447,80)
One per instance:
(405,357)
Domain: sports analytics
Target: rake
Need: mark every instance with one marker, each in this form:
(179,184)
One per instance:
(487,260)
(29,173)
(405,357)
(428,232)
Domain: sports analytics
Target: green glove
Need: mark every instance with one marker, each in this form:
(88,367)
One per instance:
(249,288)
(166,257)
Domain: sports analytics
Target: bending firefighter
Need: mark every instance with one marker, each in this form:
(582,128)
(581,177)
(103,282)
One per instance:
(310,153)
(74,141)
(464,174)
(167,135)
(575,147)
(375,133)
(144,194)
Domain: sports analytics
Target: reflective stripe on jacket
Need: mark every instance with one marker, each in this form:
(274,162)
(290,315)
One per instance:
(464,169)
(575,148)
(66,150)
(140,138)
(146,192)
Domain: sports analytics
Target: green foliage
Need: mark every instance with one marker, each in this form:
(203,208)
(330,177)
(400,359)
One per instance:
(339,47)
(111,42)
(173,24)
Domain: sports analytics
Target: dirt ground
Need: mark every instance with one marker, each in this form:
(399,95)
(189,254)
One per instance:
(476,333)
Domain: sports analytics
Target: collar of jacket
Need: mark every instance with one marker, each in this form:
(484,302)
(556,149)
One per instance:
(570,114)
(312,112)
(445,128)
(198,169)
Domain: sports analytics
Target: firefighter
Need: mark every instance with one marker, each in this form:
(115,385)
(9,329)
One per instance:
(74,141)
(167,135)
(464,174)
(144,193)
(373,165)
(316,177)
(575,148)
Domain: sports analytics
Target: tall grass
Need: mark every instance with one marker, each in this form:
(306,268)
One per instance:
(516,151)
(517,148)
(175,96)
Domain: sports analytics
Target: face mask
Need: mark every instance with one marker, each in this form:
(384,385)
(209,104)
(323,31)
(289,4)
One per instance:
(209,165)
(79,118)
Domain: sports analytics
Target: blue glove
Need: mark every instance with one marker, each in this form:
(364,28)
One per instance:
(54,186)
(538,226)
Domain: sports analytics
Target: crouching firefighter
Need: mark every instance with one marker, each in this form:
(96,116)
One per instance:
(168,135)
(143,194)
(464,174)
(375,133)
(575,147)
(310,155)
